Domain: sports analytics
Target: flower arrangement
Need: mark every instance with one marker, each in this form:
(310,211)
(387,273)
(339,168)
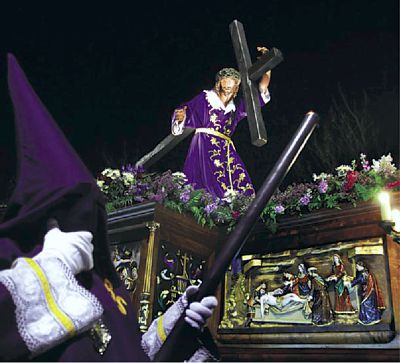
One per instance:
(352,183)
(359,181)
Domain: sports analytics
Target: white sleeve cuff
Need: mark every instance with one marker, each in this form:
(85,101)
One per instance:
(50,304)
(177,127)
(265,95)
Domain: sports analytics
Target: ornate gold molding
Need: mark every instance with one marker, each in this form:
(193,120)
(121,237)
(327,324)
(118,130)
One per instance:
(145,306)
(366,250)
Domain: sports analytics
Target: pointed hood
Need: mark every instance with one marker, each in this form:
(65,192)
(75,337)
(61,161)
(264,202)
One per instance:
(52,181)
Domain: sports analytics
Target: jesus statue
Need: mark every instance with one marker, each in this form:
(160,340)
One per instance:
(212,162)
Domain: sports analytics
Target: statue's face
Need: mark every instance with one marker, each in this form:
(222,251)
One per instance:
(336,259)
(302,268)
(228,87)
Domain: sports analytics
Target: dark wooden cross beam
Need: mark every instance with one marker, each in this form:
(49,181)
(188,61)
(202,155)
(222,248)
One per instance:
(163,148)
(250,73)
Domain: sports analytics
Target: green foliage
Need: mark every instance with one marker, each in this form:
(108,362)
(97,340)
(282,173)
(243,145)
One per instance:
(352,183)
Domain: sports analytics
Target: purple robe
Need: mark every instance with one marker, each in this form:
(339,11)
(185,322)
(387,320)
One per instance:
(54,183)
(212,162)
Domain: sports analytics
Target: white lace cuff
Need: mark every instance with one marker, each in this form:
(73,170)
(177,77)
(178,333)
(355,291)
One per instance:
(265,95)
(159,329)
(177,127)
(50,304)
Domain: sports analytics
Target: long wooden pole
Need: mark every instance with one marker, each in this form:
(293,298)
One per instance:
(182,340)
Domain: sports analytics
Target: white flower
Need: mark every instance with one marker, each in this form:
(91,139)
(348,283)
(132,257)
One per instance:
(343,169)
(100,183)
(384,165)
(322,176)
(106,172)
(230,195)
(179,174)
(127,178)
(111,173)
(180,177)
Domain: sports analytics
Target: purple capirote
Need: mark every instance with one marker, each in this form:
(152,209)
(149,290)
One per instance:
(52,181)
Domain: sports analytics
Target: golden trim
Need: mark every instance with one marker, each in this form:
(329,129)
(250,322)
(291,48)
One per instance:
(251,264)
(339,246)
(229,143)
(248,257)
(268,269)
(144,310)
(152,226)
(366,250)
(285,253)
(160,329)
(228,162)
(51,303)
(119,300)
(209,131)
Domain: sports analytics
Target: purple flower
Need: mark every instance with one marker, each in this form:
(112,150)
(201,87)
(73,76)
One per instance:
(323,186)
(133,169)
(366,165)
(209,208)
(133,189)
(156,197)
(185,196)
(305,200)
(138,198)
(279,209)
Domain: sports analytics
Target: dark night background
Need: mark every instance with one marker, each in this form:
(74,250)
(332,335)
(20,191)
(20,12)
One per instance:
(111,75)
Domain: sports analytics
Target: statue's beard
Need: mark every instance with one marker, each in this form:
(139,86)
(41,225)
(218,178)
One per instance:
(227,93)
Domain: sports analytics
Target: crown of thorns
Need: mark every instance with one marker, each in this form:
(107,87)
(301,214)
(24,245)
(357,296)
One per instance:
(227,73)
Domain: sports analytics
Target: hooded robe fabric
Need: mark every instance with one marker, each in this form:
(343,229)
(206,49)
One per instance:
(52,182)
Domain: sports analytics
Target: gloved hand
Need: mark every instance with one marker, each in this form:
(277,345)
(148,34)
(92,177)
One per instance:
(198,312)
(74,249)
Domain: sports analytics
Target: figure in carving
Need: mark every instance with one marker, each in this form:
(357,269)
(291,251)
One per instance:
(302,281)
(284,298)
(321,309)
(372,303)
(289,285)
(342,298)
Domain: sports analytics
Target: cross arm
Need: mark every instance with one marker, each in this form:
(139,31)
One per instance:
(266,62)
(162,148)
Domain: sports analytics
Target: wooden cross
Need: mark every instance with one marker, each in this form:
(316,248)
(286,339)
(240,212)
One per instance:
(250,73)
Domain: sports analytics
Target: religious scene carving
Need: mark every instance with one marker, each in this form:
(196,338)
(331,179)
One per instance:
(126,260)
(176,270)
(338,286)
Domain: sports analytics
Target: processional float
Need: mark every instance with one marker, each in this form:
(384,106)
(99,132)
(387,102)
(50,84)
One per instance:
(183,335)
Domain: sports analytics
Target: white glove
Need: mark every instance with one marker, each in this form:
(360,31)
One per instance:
(198,312)
(74,249)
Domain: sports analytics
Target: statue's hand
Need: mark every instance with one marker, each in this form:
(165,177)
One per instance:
(262,50)
(180,114)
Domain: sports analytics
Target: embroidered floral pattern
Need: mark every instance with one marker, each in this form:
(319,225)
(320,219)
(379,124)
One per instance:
(229,175)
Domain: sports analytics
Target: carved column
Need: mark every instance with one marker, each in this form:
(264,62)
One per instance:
(145,306)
